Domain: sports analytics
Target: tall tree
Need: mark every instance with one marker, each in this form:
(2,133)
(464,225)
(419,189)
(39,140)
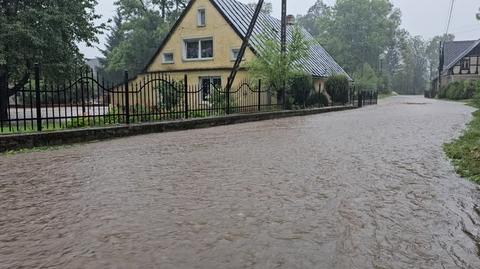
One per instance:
(267,7)
(355,31)
(145,23)
(42,31)
(114,38)
(412,74)
(313,21)
(433,53)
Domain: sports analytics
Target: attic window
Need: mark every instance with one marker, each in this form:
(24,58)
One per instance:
(168,58)
(465,64)
(197,49)
(235,53)
(202,17)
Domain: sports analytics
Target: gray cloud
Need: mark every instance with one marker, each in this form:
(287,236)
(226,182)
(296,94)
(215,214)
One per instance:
(426,18)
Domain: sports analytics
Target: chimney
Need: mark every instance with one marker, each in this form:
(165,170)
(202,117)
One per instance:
(290,20)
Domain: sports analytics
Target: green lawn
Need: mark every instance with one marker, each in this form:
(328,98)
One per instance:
(465,151)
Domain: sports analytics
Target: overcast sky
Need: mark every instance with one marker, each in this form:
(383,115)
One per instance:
(420,17)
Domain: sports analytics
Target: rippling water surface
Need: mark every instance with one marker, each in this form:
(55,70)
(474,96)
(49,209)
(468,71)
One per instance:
(369,188)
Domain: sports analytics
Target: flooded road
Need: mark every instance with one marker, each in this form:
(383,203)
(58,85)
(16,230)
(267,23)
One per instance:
(369,188)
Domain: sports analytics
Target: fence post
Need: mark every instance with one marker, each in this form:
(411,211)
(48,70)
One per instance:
(305,98)
(37,98)
(127,99)
(259,95)
(82,95)
(228,101)
(185,86)
(360,98)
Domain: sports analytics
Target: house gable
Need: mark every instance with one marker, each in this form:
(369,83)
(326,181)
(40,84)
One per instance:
(463,61)
(224,37)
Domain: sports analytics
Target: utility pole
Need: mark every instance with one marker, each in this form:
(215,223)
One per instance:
(441,62)
(284,49)
(241,53)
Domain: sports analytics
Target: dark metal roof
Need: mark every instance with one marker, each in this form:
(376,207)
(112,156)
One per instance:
(456,50)
(453,49)
(319,63)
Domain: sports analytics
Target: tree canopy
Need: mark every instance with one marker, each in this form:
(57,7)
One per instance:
(139,27)
(274,68)
(365,37)
(45,32)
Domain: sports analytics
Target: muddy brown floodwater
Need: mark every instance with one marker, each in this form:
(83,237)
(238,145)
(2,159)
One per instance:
(369,188)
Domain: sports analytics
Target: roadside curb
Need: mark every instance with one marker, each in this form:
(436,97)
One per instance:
(65,137)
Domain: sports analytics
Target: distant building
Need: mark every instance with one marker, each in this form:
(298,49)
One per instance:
(459,61)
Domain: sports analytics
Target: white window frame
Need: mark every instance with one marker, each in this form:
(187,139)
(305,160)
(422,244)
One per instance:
(165,61)
(211,78)
(201,23)
(199,40)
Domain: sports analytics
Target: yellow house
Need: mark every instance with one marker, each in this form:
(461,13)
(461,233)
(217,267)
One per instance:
(204,44)
(205,41)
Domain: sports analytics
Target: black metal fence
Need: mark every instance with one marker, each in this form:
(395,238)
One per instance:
(89,100)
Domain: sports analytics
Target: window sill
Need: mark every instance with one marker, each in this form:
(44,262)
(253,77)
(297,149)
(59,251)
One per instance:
(168,63)
(198,60)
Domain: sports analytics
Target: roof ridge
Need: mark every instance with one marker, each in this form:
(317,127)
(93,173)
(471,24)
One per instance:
(461,41)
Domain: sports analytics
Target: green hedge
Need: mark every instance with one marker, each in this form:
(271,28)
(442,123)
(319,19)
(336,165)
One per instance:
(302,92)
(460,90)
(337,87)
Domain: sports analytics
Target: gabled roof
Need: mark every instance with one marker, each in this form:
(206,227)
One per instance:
(238,15)
(319,63)
(456,50)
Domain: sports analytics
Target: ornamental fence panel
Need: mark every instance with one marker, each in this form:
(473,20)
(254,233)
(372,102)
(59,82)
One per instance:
(88,101)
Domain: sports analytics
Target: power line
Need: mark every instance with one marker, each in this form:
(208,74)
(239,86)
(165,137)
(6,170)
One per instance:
(449,18)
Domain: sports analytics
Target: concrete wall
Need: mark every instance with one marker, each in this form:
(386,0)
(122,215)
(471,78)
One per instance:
(24,141)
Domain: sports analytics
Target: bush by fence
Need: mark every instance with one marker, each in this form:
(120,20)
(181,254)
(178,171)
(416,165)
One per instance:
(337,87)
(303,93)
(460,90)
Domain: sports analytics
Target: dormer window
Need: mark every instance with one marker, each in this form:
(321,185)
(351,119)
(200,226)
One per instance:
(202,17)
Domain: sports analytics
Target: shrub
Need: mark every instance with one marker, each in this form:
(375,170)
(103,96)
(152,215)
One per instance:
(337,87)
(366,79)
(459,90)
(301,88)
(171,95)
(317,99)
(476,96)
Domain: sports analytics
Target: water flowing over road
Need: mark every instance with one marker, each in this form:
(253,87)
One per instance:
(368,188)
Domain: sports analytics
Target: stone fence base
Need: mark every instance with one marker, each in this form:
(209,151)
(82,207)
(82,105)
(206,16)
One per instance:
(63,137)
